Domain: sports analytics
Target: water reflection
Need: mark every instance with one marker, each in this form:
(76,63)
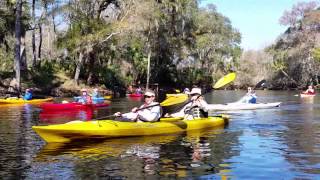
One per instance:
(142,156)
(259,144)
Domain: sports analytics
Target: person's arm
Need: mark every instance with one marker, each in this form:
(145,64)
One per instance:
(204,105)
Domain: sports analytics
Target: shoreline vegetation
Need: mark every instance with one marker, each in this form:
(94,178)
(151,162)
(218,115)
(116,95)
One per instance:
(59,47)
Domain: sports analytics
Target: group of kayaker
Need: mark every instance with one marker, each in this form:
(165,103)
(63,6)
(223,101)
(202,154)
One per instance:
(151,111)
(86,98)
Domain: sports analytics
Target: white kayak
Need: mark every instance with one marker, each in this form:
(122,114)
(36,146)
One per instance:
(242,106)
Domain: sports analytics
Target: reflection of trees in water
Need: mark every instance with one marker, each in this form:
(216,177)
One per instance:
(16,140)
(198,154)
(302,139)
(295,136)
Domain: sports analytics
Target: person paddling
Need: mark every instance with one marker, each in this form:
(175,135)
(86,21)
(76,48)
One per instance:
(28,94)
(196,107)
(250,97)
(151,114)
(85,98)
(310,90)
(96,98)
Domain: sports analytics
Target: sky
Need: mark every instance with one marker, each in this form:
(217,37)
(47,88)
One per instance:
(257,20)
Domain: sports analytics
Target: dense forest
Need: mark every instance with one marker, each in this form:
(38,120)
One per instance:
(57,46)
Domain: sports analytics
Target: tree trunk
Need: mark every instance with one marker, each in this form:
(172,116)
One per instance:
(23,56)
(40,44)
(34,56)
(148,68)
(18,42)
(78,69)
(90,79)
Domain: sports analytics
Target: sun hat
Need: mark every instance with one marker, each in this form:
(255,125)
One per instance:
(149,93)
(195,91)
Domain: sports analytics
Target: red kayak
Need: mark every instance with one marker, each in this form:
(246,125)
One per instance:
(69,106)
(135,95)
(307,94)
(58,117)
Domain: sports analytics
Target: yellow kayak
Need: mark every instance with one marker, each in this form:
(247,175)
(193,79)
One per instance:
(107,97)
(21,101)
(75,130)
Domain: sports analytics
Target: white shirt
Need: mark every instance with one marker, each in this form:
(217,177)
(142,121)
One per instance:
(146,115)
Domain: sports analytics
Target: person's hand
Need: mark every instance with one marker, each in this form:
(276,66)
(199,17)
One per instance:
(134,109)
(118,114)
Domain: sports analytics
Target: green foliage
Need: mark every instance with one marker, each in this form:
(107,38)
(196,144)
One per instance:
(279,62)
(316,54)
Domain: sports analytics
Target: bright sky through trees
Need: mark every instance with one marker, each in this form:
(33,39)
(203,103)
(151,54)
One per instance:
(257,20)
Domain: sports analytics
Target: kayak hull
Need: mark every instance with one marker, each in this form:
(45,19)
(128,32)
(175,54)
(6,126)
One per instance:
(242,106)
(21,101)
(135,95)
(76,130)
(69,106)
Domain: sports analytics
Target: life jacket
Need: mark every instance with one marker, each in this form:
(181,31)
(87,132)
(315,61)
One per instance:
(196,112)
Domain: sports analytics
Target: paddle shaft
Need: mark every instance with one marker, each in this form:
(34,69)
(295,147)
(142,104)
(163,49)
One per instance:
(139,109)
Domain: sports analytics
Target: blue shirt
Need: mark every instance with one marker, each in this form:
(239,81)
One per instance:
(27,96)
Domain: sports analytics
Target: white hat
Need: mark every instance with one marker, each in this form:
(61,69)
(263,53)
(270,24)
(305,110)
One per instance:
(195,91)
(149,93)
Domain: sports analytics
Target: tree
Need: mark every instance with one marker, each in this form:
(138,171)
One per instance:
(17,57)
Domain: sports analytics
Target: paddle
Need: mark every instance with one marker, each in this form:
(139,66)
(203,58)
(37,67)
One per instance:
(139,109)
(180,98)
(174,99)
(220,83)
(225,80)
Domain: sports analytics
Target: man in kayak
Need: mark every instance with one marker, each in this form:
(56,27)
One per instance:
(85,98)
(250,97)
(310,90)
(196,107)
(28,94)
(143,113)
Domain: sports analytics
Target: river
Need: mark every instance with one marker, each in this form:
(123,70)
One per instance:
(277,143)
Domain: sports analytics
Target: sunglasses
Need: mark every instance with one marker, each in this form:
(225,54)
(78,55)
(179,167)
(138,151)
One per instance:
(147,96)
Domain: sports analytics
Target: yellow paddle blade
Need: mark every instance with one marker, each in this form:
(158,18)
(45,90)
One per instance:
(225,80)
(173,99)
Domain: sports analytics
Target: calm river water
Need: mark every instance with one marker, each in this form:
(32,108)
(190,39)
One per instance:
(279,143)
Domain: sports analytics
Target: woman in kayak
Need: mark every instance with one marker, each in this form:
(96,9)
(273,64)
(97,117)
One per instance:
(143,113)
(96,98)
(196,107)
(28,94)
(310,90)
(85,98)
